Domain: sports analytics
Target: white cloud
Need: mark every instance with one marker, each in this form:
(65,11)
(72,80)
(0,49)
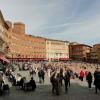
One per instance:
(74,20)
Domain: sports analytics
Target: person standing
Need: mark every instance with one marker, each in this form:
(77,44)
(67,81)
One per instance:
(57,83)
(1,84)
(31,72)
(41,75)
(69,75)
(61,76)
(49,72)
(89,79)
(66,79)
(81,75)
(52,80)
(97,79)
(32,83)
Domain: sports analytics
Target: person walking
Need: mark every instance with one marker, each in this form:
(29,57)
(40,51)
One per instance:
(55,80)
(89,79)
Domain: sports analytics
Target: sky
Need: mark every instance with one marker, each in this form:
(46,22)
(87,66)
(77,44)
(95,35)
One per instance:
(70,20)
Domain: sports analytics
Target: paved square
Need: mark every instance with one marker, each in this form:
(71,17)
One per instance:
(77,91)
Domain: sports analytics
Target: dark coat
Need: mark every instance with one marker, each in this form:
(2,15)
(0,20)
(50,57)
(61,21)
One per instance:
(97,79)
(33,84)
(89,77)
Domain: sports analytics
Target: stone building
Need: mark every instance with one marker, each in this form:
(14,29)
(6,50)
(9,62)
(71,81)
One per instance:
(57,50)
(80,52)
(95,53)
(23,46)
(3,29)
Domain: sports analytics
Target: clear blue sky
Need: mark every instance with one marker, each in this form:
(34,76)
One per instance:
(73,20)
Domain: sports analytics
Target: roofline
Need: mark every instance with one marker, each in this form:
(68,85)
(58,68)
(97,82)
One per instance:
(96,44)
(82,45)
(57,40)
(35,36)
(47,38)
(3,21)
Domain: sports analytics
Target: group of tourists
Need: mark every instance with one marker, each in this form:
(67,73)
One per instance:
(15,79)
(59,73)
(3,85)
(65,75)
(56,79)
(18,81)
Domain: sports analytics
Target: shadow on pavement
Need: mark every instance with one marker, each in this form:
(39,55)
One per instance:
(43,92)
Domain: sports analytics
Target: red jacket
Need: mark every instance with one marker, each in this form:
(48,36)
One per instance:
(82,74)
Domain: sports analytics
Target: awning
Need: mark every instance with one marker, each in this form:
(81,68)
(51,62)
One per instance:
(64,59)
(4,59)
(36,59)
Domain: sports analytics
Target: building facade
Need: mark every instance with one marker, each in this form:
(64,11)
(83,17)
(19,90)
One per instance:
(3,29)
(95,53)
(57,50)
(24,46)
(16,44)
(80,52)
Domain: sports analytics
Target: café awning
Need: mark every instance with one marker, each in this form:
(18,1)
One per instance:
(64,59)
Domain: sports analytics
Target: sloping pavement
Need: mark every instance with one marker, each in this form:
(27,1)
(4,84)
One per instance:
(77,91)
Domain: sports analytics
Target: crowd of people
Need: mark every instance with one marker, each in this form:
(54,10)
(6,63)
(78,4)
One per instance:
(59,73)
